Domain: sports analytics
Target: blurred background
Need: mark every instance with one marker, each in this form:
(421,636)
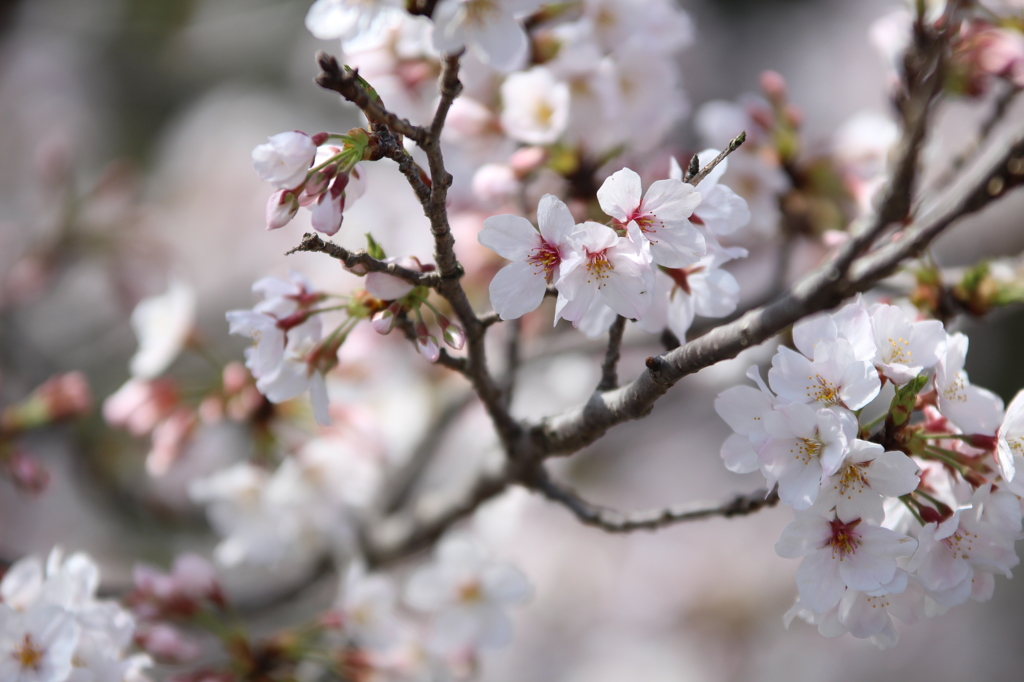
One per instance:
(126,128)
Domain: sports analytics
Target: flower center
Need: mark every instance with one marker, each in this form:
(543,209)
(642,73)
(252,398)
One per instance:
(851,481)
(470,592)
(598,267)
(961,543)
(899,352)
(845,539)
(546,258)
(955,389)
(28,655)
(807,449)
(822,390)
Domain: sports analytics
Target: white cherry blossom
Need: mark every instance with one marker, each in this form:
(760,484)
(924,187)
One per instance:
(285,159)
(535,106)
(835,377)
(489,28)
(536,257)
(468,593)
(163,325)
(904,347)
(744,409)
(37,645)
(1010,442)
(358,23)
(804,446)
(840,555)
(867,475)
(721,211)
(975,410)
(367,606)
(662,215)
(607,269)
(680,294)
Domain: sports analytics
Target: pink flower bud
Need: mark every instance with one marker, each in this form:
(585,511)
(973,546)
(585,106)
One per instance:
(384,321)
(195,576)
(281,208)
(328,209)
(320,138)
(139,405)
(65,396)
(166,643)
(27,473)
(528,159)
(426,344)
(495,183)
(234,377)
(454,335)
(773,85)
(169,439)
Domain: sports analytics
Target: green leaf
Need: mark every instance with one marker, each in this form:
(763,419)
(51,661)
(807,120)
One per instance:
(906,397)
(373,248)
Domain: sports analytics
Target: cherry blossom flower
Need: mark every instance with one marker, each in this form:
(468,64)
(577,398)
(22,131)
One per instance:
(1010,441)
(904,347)
(681,294)
(37,645)
(867,475)
(519,287)
(744,408)
(367,606)
(973,409)
(358,23)
(489,28)
(834,377)
(162,324)
(605,269)
(804,446)
(840,555)
(535,106)
(662,215)
(285,159)
(957,553)
(468,593)
(286,336)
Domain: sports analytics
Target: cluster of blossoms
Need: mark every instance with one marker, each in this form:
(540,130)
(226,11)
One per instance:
(900,516)
(658,262)
(53,629)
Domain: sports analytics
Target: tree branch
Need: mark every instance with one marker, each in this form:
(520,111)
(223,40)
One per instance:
(345,83)
(609,369)
(733,145)
(361,260)
(613,521)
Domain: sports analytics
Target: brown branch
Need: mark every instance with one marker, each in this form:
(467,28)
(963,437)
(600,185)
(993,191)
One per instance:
(609,369)
(733,145)
(995,116)
(361,260)
(613,521)
(333,77)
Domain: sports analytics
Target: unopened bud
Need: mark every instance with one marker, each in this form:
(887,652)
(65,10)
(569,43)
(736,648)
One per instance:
(454,335)
(320,138)
(528,159)
(384,321)
(281,208)
(426,344)
(27,473)
(773,85)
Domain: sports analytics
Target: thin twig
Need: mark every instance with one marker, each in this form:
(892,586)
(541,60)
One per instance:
(613,521)
(609,369)
(362,261)
(513,357)
(333,77)
(733,145)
